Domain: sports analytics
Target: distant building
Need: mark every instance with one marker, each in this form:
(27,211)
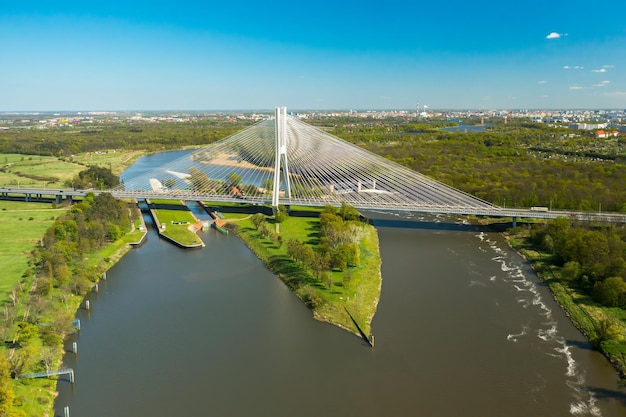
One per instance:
(606,133)
(588,126)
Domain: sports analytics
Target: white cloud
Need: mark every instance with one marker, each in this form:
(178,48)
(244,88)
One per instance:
(554,35)
(543,82)
(576,67)
(616,94)
(608,66)
(576,87)
(602,84)
(599,70)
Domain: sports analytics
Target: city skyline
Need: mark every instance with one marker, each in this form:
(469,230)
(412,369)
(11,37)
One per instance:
(116,56)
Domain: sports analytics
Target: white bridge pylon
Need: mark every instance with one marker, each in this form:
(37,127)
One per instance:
(284,160)
(280,118)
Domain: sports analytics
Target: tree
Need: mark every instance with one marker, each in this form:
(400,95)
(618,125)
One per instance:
(571,271)
(26,333)
(94,177)
(23,359)
(48,356)
(348,212)
(200,182)
(257,219)
(319,262)
(607,330)
(113,232)
(62,273)
(280,214)
(307,254)
(339,258)
(7,395)
(353,254)
(234,179)
(170,183)
(293,248)
(611,292)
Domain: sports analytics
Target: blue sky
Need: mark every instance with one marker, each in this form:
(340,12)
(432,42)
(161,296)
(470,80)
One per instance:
(223,55)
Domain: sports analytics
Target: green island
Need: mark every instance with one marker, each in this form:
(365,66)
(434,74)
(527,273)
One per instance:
(516,164)
(338,277)
(175,223)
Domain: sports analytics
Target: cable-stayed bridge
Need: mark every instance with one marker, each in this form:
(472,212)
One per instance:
(284,161)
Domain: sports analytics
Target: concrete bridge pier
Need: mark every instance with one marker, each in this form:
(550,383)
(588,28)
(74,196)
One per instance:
(514,221)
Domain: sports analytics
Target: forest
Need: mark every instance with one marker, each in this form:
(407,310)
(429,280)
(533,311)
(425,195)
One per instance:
(151,137)
(518,164)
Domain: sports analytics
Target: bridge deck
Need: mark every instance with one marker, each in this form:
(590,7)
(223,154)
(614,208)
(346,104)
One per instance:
(480,210)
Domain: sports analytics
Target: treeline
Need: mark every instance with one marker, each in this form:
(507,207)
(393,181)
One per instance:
(94,177)
(66,141)
(36,320)
(586,272)
(88,226)
(594,261)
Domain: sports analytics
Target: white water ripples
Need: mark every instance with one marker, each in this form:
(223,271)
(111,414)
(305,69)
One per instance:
(584,403)
(515,336)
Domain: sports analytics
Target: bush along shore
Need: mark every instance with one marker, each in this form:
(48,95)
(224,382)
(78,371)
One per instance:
(73,255)
(584,269)
(330,261)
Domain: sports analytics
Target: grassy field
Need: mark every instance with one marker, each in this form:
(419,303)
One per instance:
(51,172)
(359,293)
(22,225)
(36,171)
(116,160)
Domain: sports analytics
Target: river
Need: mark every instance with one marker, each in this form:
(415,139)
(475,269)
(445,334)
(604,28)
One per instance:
(463,328)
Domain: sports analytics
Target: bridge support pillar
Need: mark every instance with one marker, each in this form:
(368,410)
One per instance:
(514,221)
(59,199)
(280,158)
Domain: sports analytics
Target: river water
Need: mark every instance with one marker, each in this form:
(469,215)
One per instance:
(463,328)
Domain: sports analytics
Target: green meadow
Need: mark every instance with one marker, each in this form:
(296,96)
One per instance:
(36,171)
(22,225)
(116,160)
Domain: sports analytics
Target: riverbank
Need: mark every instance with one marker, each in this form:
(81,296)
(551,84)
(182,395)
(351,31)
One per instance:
(590,319)
(48,317)
(332,297)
